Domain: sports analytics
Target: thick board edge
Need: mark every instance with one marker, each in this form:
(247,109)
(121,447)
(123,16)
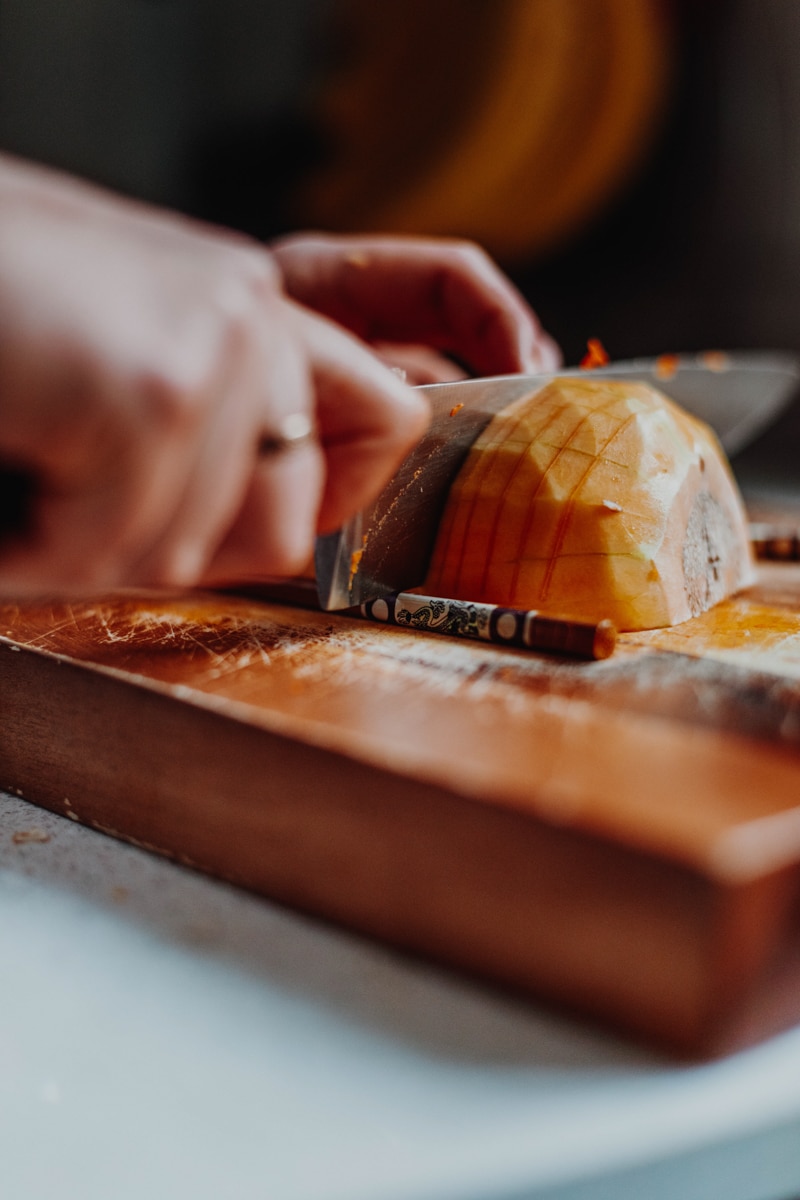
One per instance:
(648,945)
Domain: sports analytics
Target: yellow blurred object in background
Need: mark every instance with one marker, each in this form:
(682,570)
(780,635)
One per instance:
(509,122)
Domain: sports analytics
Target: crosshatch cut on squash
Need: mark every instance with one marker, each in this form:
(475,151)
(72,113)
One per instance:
(594,499)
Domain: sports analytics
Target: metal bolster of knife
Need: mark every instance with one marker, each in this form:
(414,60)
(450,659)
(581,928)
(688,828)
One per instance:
(336,562)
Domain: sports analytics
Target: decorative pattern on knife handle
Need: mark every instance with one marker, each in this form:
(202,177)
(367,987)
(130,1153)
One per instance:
(527,630)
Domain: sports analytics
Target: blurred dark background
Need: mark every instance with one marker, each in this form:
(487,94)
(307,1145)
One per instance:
(633,164)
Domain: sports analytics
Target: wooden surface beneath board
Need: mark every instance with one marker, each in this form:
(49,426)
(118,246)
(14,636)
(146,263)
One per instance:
(620,836)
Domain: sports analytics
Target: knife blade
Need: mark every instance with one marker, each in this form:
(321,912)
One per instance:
(387,548)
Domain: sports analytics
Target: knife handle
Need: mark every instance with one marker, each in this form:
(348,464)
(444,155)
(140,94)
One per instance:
(775,542)
(524,629)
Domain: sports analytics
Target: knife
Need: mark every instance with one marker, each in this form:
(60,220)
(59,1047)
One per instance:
(386,548)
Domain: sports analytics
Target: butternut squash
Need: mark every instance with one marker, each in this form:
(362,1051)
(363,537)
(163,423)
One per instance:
(593,498)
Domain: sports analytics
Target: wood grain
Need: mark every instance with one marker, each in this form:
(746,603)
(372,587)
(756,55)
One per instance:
(622,836)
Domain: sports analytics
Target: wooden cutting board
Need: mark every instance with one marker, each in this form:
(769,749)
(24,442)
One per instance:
(621,837)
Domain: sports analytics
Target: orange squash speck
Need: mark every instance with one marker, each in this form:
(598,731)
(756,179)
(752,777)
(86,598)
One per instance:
(596,355)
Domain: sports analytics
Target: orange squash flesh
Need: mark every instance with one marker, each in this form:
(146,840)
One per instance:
(594,498)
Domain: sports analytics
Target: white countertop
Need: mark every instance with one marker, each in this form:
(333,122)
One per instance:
(164,1035)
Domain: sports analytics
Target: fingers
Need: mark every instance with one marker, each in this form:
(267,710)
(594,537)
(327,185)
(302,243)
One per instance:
(447,294)
(368,418)
(193,500)
(244,512)
(274,529)
(365,421)
(418,365)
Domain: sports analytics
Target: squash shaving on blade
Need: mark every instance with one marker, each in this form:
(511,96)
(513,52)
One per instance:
(596,355)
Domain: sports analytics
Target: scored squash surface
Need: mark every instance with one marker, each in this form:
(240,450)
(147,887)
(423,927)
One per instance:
(594,498)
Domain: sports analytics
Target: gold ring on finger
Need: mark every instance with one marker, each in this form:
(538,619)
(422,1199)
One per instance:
(294,431)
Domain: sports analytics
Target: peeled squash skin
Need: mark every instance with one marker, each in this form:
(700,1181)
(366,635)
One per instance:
(593,498)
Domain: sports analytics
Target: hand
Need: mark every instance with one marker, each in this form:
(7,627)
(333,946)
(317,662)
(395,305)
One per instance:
(143,360)
(447,295)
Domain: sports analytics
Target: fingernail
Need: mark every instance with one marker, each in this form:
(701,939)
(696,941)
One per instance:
(545,355)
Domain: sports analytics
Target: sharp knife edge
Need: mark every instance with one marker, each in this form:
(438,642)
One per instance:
(386,549)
